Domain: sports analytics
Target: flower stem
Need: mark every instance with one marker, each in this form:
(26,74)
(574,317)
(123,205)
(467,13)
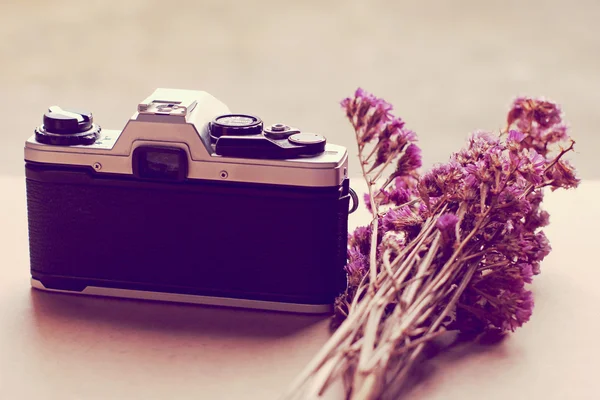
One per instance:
(345,330)
(385,165)
(375,148)
(532,186)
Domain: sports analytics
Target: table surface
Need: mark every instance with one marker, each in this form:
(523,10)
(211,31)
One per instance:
(56,346)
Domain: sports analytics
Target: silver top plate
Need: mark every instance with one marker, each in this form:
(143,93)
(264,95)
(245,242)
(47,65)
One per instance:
(180,118)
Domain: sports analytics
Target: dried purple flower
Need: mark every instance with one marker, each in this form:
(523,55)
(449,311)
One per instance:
(541,247)
(524,310)
(399,196)
(394,197)
(367,113)
(526,272)
(357,262)
(540,121)
(407,182)
(392,141)
(532,166)
(410,160)
(562,175)
(393,129)
(361,239)
(515,136)
(514,309)
(367,200)
(546,114)
(479,172)
(446,222)
(497,299)
(556,134)
(401,219)
(537,218)
(529,111)
(446,179)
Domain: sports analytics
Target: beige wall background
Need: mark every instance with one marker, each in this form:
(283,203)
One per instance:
(448,67)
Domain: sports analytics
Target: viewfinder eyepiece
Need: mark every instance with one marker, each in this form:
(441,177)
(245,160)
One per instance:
(160,163)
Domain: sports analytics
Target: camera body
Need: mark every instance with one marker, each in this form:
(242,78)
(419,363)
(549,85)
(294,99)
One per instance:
(188,203)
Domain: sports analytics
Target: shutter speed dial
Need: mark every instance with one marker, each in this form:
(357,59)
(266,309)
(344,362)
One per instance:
(235,125)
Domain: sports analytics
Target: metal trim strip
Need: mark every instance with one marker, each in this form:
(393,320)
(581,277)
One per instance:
(193,299)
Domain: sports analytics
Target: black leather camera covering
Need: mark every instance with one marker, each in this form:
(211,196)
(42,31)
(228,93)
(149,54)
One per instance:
(237,240)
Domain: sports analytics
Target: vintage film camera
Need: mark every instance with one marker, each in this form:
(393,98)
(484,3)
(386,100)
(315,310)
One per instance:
(188,203)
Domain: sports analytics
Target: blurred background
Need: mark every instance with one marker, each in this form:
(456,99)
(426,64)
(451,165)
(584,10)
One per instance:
(449,67)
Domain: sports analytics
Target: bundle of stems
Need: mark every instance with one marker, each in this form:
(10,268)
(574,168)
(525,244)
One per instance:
(450,250)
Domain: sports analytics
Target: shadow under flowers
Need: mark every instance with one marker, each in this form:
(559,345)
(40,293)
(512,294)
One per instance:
(443,353)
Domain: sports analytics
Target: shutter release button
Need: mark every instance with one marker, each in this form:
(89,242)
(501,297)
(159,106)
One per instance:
(278,127)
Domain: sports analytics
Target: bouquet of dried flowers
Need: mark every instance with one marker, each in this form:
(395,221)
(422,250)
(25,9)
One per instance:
(452,249)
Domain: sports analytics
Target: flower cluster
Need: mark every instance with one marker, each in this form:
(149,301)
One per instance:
(490,192)
(386,140)
(368,115)
(452,249)
(539,121)
(389,144)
